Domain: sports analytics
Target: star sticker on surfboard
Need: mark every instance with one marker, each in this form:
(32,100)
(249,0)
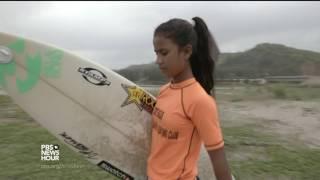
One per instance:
(134,95)
(139,97)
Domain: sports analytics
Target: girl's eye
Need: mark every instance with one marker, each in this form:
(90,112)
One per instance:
(161,52)
(164,53)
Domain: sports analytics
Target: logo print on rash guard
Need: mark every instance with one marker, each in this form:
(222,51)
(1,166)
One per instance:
(158,113)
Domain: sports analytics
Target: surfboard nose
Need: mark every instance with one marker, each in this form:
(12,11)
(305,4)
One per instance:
(5,55)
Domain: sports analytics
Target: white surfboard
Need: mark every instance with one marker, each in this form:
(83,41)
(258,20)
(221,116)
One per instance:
(95,111)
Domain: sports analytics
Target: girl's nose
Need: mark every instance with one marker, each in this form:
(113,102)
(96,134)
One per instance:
(158,60)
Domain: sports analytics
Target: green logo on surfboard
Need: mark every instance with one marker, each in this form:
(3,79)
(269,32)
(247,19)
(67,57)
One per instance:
(46,64)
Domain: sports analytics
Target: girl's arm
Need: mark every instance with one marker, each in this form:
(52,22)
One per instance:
(220,164)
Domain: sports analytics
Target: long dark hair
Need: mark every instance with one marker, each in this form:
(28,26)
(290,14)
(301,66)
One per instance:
(204,49)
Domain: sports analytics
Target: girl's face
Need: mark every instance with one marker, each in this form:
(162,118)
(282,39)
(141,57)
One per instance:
(170,59)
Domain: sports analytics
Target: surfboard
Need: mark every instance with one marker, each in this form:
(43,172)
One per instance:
(92,109)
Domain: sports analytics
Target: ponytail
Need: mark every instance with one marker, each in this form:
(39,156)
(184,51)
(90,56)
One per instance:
(203,56)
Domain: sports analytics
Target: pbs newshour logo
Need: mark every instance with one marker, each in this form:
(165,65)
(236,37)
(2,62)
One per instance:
(50,152)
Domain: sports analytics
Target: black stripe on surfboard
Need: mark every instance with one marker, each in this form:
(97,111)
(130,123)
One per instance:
(114,170)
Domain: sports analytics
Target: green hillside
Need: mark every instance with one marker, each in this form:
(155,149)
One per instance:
(264,59)
(269,59)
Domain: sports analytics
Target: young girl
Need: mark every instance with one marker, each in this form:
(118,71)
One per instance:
(185,114)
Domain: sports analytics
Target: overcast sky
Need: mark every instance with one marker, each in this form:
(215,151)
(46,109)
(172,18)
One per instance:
(118,34)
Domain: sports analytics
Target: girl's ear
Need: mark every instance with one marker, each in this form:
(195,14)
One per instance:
(187,50)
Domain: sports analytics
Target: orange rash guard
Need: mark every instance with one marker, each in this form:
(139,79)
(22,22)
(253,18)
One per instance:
(184,117)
